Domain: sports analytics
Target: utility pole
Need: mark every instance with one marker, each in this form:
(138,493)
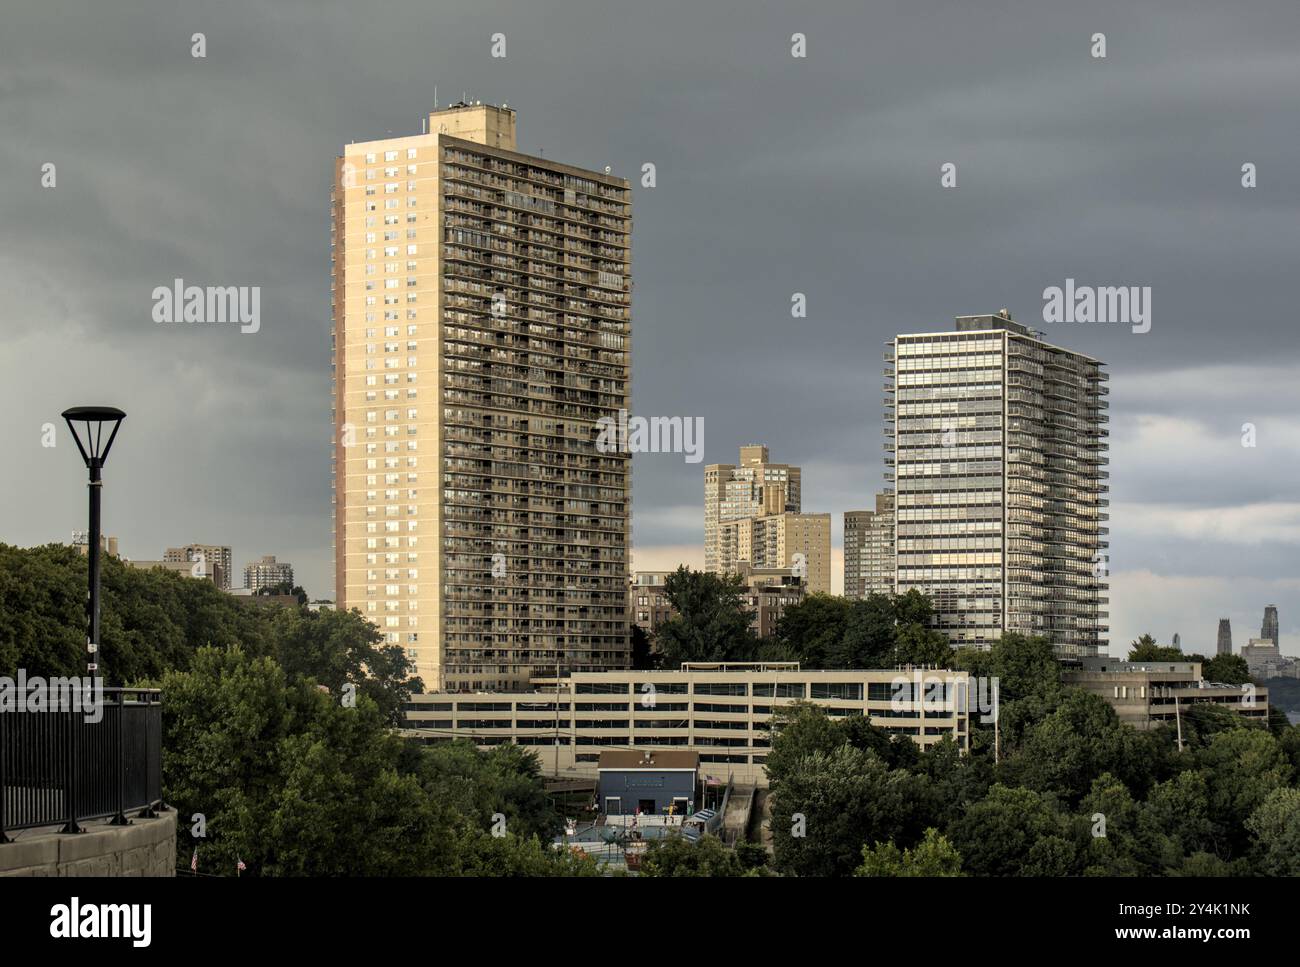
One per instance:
(997,724)
(1178,717)
(557,718)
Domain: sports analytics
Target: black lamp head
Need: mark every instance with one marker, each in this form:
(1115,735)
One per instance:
(94,449)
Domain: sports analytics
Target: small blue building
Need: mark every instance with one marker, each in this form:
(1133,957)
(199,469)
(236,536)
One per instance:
(647,780)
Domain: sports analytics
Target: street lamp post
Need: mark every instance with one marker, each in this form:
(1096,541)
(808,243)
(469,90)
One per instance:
(94,451)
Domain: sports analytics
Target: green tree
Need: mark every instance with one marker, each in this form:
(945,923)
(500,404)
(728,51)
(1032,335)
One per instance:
(1278,724)
(710,623)
(479,853)
(43,611)
(1174,822)
(915,643)
(505,781)
(771,650)
(288,779)
(1289,741)
(1014,832)
(913,608)
(957,778)
(338,649)
(1226,669)
(1074,745)
(643,657)
(798,730)
(1028,677)
(1275,824)
(1108,829)
(868,639)
(752,856)
(1242,768)
(1203,865)
(814,629)
(678,856)
(150,620)
(829,804)
(896,751)
(1146,649)
(1202,721)
(933,856)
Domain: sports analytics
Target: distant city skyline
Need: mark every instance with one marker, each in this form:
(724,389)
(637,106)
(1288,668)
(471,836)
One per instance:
(774,176)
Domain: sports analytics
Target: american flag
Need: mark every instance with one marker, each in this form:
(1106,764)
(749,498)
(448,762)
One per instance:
(194,861)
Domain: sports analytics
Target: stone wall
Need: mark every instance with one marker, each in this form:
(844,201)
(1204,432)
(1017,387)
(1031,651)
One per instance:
(145,848)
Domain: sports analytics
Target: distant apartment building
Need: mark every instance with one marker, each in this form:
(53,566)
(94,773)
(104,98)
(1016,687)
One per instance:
(801,542)
(996,445)
(753,488)
(1265,660)
(1268,629)
(869,549)
(202,572)
(211,561)
(647,602)
(1148,694)
(267,573)
(768,593)
(81,541)
(1224,644)
(481,329)
(720,710)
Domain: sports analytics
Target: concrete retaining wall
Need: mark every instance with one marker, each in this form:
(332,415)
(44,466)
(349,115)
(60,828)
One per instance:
(145,848)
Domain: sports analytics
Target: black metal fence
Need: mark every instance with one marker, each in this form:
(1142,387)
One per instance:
(65,764)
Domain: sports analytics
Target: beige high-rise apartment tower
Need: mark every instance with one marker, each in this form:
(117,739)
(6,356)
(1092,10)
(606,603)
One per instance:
(754,488)
(869,549)
(481,326)
(801,542)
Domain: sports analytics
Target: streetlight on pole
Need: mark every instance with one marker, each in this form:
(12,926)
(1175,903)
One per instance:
(94,450)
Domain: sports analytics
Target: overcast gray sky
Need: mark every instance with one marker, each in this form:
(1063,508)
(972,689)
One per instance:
(776,175)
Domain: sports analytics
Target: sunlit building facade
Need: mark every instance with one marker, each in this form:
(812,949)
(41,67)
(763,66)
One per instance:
(996,444)
(481,328)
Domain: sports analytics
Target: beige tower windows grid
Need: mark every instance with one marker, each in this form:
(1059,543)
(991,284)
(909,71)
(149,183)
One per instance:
(752,518)
(482,327)
(869,549)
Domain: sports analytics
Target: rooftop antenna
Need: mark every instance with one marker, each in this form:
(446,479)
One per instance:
(435,97)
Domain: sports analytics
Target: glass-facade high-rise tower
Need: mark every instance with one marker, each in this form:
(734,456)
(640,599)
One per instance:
(996,444)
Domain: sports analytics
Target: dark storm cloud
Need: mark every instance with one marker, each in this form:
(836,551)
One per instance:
(775,175)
